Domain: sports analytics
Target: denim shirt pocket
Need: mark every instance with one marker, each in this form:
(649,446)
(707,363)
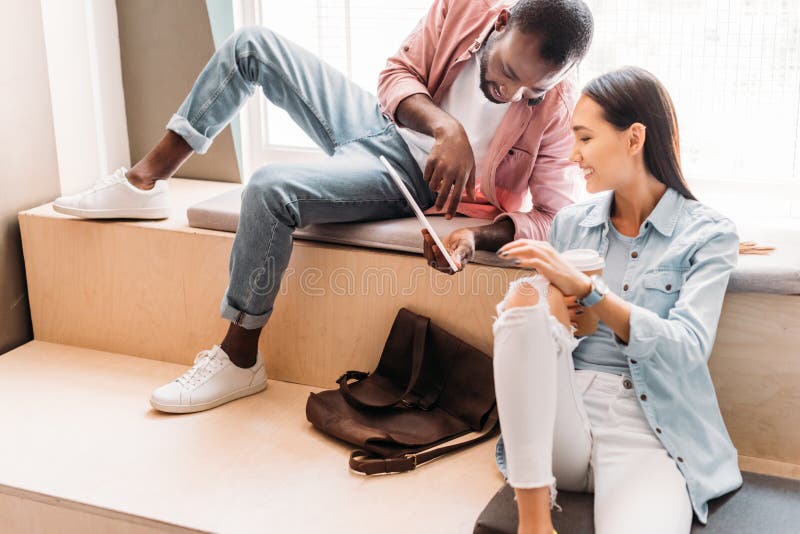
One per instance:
(661,289)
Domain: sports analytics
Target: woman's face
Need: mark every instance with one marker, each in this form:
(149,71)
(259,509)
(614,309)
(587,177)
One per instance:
(603,153)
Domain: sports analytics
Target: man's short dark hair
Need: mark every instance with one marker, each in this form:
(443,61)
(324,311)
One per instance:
(564,26)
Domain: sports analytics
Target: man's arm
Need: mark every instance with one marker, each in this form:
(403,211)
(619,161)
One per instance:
(403,95)
(406,72)
(419,113)
(493,236)
(552,179)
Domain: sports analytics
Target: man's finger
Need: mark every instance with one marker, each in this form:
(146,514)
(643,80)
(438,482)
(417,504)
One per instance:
(463,253)
(427,174)
(435,180)
(442,261)
(444,192)
(427,241)
(471,184)
(455,197)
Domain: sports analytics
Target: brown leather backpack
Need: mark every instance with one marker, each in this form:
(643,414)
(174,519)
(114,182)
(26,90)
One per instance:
(430,388)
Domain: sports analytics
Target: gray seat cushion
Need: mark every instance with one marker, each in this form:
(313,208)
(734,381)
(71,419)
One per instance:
(222,213)
(776,273)
(763,504)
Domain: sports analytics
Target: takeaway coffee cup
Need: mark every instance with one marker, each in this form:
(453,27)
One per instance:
(589,262)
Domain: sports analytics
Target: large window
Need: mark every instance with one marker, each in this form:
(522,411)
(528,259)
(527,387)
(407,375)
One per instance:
(731,66)
(355,36)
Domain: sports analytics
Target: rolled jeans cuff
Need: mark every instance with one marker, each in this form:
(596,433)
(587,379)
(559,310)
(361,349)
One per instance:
(240,318)
(180,125)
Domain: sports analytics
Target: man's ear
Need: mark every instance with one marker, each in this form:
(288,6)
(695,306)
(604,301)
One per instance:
(636,137)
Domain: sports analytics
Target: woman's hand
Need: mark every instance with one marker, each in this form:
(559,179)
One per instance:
(574,309)
(540,255)
(460,244)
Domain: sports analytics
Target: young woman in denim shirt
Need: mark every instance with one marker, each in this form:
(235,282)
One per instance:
(629,412)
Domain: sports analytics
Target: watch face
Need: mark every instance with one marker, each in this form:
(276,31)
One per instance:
(600,285)
(598,292)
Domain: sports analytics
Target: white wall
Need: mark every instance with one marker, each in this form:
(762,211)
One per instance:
(82,44)
(28,166)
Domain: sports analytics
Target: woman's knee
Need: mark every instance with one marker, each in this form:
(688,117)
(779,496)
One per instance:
(524,294)
(528,293)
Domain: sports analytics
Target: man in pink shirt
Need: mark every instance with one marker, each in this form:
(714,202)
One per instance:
(473,111)
(523,179)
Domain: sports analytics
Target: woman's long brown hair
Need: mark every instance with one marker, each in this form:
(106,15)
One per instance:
(631,95)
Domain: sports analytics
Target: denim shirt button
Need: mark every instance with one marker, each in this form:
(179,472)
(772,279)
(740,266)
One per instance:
(658,430)
(633,362)
(625,287)
(643,397)
(634,254)
(680,459)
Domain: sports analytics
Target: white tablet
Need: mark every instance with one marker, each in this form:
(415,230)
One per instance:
(421,216)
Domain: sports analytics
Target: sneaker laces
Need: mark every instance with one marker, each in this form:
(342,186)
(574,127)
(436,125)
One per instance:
(205,364)
(111,179)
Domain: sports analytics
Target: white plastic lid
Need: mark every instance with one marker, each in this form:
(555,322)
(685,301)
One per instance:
(584,259)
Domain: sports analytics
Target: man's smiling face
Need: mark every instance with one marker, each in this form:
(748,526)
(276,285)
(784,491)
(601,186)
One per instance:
(512,67)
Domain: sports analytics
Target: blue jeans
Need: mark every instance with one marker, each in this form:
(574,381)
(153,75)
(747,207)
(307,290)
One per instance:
(350,185)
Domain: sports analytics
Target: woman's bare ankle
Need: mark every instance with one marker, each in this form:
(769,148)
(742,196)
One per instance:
(534,511)
(537,528)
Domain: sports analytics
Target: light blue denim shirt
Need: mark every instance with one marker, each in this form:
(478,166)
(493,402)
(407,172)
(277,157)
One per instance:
(675,283)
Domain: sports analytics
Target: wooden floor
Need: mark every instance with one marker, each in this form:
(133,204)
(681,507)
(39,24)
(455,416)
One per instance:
(80,438)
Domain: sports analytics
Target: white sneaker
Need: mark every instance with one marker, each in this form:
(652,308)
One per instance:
(113,196)
(213,380)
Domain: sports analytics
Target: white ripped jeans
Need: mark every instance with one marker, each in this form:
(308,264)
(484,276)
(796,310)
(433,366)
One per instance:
(579,430)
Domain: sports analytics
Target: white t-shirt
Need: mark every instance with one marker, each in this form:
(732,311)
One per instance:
(465,101)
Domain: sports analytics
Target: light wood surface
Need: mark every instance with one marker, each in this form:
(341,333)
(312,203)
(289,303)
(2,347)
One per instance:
(152,289)
(26,512)
(755,366)
(769,467)
(84,431)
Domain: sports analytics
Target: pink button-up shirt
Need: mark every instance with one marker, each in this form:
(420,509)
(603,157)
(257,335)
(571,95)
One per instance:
(527,162)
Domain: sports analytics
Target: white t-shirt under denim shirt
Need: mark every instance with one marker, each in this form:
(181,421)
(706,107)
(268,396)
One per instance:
(465,101)
(600,352)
